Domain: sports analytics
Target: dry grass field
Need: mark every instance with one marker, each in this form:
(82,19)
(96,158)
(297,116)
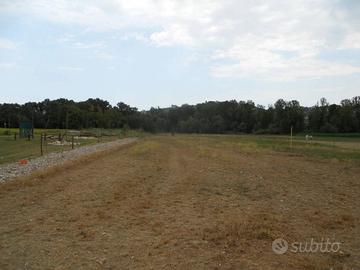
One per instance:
(184,202)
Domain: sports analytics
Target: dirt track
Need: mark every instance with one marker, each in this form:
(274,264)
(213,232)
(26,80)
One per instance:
(181,202)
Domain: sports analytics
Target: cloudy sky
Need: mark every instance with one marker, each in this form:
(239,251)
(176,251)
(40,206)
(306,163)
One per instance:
(162,52)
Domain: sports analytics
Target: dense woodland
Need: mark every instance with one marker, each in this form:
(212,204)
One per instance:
(208,117)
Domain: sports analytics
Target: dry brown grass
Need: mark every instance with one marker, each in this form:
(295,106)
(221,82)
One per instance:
(180,202)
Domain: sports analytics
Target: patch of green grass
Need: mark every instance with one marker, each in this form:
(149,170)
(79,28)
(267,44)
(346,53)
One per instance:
(11,150)
(332,137)
(326,148)
(312,149)
(12,131)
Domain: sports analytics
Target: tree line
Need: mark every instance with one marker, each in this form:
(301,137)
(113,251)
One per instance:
(208,117)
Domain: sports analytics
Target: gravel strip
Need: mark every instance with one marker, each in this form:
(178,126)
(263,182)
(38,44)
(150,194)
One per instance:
(15,169)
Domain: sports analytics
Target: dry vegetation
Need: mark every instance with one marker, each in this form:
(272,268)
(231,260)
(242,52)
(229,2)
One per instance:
(183,202)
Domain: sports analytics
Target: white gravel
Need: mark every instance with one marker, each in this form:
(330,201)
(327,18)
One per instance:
(15,169)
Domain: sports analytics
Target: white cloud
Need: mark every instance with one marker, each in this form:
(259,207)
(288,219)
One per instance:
(266,58)
(176,34)
(285,70)
(252,36)
(351,41)
(7,44)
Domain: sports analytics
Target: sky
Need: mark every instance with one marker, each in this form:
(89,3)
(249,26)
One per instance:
(150,53)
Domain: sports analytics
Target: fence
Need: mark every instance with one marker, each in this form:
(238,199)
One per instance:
(13,148)
(71,139)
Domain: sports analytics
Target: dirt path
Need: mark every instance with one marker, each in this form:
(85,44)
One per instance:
(180,202)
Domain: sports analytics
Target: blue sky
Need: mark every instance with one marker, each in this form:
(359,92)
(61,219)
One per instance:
(163,52)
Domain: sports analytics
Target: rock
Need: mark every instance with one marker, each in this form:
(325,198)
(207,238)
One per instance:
(12,170)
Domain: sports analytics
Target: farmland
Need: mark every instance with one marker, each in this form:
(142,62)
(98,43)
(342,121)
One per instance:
(187,202)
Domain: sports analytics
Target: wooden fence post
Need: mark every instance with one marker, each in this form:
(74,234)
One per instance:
(15,135)
(72,142)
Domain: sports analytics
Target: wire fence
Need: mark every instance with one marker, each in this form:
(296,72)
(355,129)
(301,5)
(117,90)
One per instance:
(13,148)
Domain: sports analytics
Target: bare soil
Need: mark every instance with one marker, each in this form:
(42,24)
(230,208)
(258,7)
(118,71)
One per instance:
(181,202)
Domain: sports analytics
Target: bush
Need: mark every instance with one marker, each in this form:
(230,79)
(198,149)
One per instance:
(262,131)
(328,128)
